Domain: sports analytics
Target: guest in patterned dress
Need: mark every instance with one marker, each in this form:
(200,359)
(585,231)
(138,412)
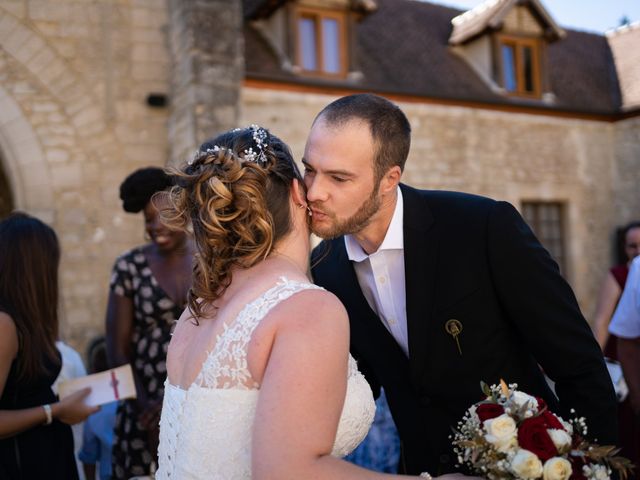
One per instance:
(148,292)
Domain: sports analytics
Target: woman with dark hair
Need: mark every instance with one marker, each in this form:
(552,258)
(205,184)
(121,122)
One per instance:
(260,382)
(35,436)
(612,288)
(148,291)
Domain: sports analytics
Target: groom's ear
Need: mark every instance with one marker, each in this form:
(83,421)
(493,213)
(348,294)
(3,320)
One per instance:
(390,180)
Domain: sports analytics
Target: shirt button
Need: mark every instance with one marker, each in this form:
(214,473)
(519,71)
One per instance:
(392,321)
(382,279)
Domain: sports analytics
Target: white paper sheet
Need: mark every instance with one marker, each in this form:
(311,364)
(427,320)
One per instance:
(115,384)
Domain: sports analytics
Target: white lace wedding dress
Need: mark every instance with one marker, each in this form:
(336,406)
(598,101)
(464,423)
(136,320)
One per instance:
(205,431)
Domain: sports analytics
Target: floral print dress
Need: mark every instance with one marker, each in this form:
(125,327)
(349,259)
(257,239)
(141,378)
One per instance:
(154,316)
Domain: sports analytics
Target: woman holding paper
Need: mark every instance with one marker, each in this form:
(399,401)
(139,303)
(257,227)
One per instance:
(35,437)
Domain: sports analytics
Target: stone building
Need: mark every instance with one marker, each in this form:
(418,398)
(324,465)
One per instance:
(503,102)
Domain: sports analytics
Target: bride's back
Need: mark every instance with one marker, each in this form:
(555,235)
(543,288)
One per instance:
(239,196)
(193,342)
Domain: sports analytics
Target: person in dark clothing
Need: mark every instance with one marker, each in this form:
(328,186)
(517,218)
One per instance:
(35,433)
(443,289)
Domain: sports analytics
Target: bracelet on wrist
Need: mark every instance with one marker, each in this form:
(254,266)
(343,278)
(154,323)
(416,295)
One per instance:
(47,412)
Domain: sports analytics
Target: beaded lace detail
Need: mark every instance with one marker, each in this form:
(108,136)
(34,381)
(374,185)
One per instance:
(205,431)
(226,365)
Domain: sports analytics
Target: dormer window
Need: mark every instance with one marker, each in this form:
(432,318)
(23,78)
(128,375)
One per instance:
(505,41)
(321,42)
(520,65)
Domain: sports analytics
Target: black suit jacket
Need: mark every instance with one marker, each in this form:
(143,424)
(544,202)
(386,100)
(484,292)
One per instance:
(475,260)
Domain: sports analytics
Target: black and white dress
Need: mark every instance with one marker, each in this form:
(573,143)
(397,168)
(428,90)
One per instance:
(154,315)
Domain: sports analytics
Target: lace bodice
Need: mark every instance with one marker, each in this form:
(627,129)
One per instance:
(205,430)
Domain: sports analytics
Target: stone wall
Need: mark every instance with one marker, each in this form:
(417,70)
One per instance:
(508,156)
(626,171)
(74,78)
(207,71)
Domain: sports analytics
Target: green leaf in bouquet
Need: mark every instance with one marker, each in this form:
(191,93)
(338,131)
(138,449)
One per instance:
(486,389)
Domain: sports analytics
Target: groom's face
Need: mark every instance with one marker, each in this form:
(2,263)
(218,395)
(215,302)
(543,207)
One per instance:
(342,190)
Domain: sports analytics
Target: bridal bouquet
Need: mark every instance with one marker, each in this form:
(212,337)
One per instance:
(512,435)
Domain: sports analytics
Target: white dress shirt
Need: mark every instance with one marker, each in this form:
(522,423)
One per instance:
(626,320)
(381,276)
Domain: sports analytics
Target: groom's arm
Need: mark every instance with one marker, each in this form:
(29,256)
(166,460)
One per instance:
(542,306)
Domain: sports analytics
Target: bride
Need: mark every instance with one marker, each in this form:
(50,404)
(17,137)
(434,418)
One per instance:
(260,381)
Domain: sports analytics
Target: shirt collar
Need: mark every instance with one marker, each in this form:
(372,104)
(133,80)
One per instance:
(393,239)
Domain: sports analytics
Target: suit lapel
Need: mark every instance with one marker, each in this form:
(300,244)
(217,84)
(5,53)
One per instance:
(364,322)
(420,264)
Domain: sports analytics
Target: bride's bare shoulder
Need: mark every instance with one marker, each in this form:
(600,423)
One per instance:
(313,310)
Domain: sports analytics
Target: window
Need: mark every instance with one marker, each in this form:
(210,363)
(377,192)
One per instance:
(520,65)
(320,42)
(546,221)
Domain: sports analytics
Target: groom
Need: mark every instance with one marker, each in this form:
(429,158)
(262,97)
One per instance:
(443,289)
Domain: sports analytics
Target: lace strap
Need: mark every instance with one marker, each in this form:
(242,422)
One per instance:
(226,365)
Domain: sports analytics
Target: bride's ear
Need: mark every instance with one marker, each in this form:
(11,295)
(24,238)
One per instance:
(298,193)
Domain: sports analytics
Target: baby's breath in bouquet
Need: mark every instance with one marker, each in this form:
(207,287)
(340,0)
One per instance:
(513,435)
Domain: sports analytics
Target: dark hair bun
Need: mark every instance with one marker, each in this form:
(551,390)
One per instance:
(138,188)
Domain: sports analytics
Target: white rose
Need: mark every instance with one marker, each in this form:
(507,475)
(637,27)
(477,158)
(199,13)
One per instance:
(556,468)
(560,438)
(526,465)
(501,432)
(567,426)
(520,399)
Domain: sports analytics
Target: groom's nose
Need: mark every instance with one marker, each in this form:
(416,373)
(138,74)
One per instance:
(316,191)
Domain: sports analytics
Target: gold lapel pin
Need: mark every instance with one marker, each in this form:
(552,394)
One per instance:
(454,328)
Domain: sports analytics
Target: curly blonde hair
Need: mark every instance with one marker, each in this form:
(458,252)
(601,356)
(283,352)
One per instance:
(237,206)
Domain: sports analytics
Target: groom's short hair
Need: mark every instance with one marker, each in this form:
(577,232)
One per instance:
(389,126)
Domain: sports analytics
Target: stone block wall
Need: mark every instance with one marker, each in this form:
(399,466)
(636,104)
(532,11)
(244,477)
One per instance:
(74,78)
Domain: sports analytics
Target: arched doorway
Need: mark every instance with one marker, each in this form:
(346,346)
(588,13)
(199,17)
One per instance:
(6,195)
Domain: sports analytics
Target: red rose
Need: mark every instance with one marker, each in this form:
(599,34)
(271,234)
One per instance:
(551,421)
(542,405)
(533,436)
(487,411)
(576,468)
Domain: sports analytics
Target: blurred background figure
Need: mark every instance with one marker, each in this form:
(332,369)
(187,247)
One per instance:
(97,436)
(148,292)
(612,288)
(610,293)
(36,440)
(625,325)
(72,367)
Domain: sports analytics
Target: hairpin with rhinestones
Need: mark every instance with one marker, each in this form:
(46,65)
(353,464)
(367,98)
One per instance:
(260,139)
(200,154)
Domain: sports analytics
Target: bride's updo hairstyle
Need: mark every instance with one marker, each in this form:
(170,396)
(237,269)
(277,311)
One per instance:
(235,195)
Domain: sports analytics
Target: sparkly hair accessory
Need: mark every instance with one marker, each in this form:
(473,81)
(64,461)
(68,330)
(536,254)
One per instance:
(203,154)
(249,155)
(260,139)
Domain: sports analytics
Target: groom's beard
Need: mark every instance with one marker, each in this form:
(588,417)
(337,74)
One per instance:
(351,225)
